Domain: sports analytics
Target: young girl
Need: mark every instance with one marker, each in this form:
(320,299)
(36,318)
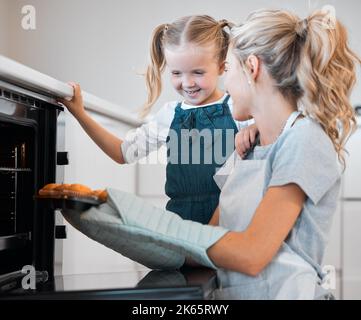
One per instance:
(194,49)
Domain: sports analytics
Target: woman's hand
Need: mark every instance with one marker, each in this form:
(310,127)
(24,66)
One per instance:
(245,138)
(75,105)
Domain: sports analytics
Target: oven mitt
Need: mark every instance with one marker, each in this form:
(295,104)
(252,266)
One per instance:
(103,224)
(168,237)
(167,229)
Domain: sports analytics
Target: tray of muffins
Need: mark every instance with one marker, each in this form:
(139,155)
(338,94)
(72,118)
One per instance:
(76,197)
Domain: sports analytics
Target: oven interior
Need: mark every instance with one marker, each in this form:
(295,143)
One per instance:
(16,194)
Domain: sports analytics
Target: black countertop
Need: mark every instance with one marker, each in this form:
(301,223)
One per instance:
(185,284)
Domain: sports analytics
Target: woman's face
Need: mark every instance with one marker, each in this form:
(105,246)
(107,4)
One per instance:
(237,85)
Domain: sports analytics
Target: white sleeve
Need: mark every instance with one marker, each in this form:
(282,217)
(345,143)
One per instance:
(139,142)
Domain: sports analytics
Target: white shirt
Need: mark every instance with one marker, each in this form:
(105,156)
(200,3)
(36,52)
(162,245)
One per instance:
(149,137)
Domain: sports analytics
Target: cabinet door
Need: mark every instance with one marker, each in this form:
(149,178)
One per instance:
(352,174)
(152,177)
(89,165)
(152,174)
(351,250)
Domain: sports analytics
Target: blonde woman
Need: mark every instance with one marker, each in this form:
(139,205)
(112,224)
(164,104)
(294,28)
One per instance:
(294,77)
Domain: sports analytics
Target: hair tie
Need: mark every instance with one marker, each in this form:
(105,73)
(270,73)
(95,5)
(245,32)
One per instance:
(165,27)
(222,23)
(301,27)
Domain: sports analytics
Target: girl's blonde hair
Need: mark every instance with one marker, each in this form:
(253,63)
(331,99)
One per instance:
(199,30)
(310,62)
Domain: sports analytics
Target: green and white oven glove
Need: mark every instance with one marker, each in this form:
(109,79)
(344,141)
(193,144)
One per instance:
(154,237)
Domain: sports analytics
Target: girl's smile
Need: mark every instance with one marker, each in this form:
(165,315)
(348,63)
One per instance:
(194,73)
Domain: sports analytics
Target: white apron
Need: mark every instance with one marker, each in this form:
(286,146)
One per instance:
(288,276)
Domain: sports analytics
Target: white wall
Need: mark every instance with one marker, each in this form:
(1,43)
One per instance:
(4,27)
(103,44)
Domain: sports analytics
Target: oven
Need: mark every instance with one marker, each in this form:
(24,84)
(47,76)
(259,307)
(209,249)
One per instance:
(28,160)
(32,133)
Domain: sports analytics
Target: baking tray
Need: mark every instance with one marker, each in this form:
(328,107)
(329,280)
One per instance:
(68,203)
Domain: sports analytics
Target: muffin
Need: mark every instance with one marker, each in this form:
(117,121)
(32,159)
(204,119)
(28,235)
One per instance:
(56,190)
(101,195)
(77,190)
(50,190)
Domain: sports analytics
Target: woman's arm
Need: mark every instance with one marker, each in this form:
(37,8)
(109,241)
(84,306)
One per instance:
(250,251)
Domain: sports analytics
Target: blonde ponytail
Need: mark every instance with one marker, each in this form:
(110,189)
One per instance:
(326,73)
(310,62)
(153,77)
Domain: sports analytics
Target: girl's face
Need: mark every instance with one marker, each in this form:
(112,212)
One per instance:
(237,85)
(194,73)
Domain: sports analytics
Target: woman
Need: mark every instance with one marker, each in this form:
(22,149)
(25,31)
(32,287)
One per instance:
(294,77)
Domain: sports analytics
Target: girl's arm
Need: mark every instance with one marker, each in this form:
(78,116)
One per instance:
(250,251)
(215,218)
(106,141)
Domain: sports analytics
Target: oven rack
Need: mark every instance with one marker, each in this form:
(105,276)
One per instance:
(5,169)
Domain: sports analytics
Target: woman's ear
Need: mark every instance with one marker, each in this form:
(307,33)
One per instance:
(253,65)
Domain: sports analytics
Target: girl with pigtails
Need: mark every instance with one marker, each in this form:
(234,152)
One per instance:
(199,130)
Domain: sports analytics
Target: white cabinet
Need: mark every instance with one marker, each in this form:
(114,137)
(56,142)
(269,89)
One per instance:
(90,166)
(351,221)
(152,176)
(352,175)
(343,250)
(351,250)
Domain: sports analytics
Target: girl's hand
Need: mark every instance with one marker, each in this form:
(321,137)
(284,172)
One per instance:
(75,105)
(245,138)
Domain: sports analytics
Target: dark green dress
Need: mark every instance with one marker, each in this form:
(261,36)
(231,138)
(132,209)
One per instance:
(199,141)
